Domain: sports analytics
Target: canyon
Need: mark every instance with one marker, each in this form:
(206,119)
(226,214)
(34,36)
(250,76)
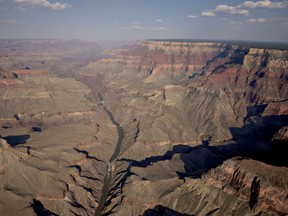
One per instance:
(155,127)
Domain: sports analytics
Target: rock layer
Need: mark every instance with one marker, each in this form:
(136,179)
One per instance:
(203,131)
(229,97)
(52,132)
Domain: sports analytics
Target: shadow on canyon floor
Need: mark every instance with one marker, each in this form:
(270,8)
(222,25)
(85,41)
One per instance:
(17,139)
(253,140)
(40,209)
(160,210)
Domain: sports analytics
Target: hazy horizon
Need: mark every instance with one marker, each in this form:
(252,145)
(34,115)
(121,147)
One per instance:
(137,20)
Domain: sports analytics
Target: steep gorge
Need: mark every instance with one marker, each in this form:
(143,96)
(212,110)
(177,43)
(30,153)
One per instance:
(50,162)
(166,128)
(181,96)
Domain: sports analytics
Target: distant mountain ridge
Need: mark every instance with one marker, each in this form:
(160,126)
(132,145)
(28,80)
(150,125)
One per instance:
(248,44)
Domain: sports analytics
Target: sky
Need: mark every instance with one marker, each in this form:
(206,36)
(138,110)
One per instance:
(94,20)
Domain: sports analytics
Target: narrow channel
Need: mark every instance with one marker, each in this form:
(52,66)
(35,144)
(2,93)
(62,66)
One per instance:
(109,174)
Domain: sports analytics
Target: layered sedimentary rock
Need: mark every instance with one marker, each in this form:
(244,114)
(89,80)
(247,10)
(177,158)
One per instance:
(166,128)
(63,57)
(176,99)
(55,142)
(219,80)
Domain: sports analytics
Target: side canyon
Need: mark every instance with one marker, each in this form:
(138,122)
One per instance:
(150,128)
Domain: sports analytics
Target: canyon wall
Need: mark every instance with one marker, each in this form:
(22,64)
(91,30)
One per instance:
(187,107)
(54,144)
(182,128)
(222,82)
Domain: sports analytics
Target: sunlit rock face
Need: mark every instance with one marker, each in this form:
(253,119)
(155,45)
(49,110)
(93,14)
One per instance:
(188,128)
(209,88)
(50,129)
(186,108)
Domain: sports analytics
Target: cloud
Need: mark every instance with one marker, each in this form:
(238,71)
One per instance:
(208,14)
(264,4)
(231,10)
(133,26)
(161,29)
(44,4)
(116,21)
(225,9)
(192,16)
(258,20)
(136,27)
(136,23)
(9,21)
(159,20)
(235,23)
(243,9)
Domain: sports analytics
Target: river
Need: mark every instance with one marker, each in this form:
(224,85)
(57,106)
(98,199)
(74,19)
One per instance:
(109,174)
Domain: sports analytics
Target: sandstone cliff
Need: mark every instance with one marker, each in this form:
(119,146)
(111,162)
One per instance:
(218,80)
(165,128)
(230,97)
(49,132)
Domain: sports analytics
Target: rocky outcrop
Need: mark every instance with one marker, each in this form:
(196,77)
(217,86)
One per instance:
(51,131)
(13,79)
(178,58)
(218,80)
(194,93)
(30,73)
(252,182)
(239,186)
(282,134)
(157,133)
(9,83)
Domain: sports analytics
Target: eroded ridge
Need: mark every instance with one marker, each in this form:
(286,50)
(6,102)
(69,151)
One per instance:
(186,128)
